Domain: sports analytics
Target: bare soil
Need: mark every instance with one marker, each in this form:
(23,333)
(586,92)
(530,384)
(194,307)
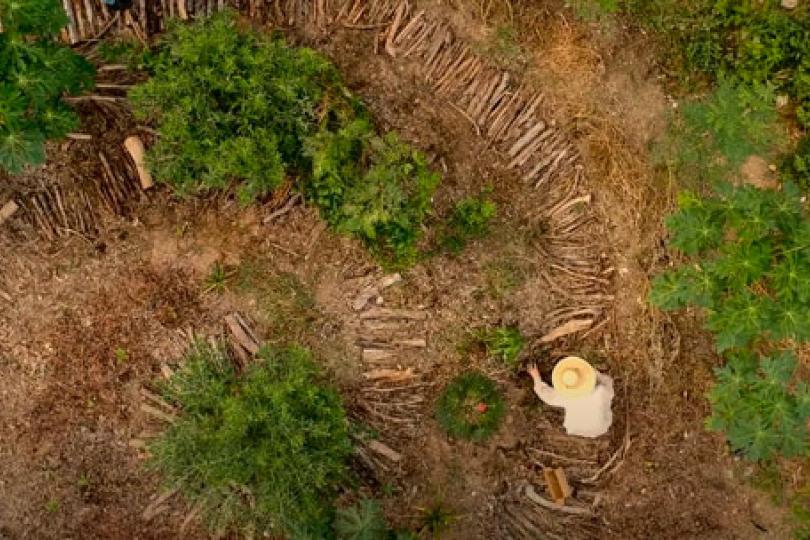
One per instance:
(86,321)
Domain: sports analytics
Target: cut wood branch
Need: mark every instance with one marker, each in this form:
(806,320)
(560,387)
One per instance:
(376,355)
(571,327)
(8,210)
(241,334)
(385,451)
(288,206)
(389,374)
(156,506)
(373,291)
(157,413)
(384,313)
(536,498)
(134,146)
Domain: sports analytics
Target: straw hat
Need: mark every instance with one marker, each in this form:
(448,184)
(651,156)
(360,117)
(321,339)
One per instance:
(573,377)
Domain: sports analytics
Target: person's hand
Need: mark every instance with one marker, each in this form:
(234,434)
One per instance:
(534,372)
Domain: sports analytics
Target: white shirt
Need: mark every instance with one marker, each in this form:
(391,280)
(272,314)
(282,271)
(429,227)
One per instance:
(585,416)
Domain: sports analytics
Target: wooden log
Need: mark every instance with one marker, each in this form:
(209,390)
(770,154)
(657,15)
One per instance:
(389,374)
(371,292)
(134,146)
(383,313)
(157,413)
(376,355)
(8,210)
(385,451)
(156,506)
(241,335)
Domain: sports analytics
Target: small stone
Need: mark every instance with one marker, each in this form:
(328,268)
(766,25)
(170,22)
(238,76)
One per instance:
(790,4)
(782,101)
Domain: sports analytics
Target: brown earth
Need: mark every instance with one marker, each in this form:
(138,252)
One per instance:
(86,323)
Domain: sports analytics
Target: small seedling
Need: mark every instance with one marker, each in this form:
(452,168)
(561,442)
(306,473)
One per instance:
(52,506)
(217,278)
(121,356)
(470,219)
(436,519)
(504,343)
(471,407)
(83,483)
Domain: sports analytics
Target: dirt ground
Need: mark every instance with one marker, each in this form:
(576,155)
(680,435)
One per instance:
(87,322)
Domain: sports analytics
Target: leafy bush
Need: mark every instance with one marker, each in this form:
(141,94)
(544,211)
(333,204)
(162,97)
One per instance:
(470,219)
(235,107)
(35,70)
(757,406)
(261,451)
(471,407)
(504,343)
(753,275)
(377,188)
(711,138)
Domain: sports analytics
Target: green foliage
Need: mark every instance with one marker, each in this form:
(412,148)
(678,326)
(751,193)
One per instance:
(217,278)
(261,451)
(750,41)
(712,137)
(235,107)
(795,166)
(504,343)
(756,404)
(377,188)
(471,407)
(470,219)
(35,70)
(363,521)
(437,518)
(753,272)
(131,52)
(232,105)
(593,10)
(800,513)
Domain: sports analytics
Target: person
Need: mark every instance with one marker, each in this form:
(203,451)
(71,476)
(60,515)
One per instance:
(584,393)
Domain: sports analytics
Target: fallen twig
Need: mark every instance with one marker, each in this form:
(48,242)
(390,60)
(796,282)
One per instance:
(289,205)
(545,503)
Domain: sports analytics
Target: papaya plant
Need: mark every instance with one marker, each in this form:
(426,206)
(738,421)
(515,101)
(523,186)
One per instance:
(752,269)
(35,72)
(759,408)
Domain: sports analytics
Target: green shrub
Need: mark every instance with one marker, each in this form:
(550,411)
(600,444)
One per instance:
(712,137)
(757,405)
(377,188)
(752,276)
(470,219)
(35,70)
(233,106)
(261,452)
(504,343)
(471,407)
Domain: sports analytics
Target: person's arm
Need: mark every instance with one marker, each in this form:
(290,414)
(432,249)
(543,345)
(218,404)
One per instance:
(545,392)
